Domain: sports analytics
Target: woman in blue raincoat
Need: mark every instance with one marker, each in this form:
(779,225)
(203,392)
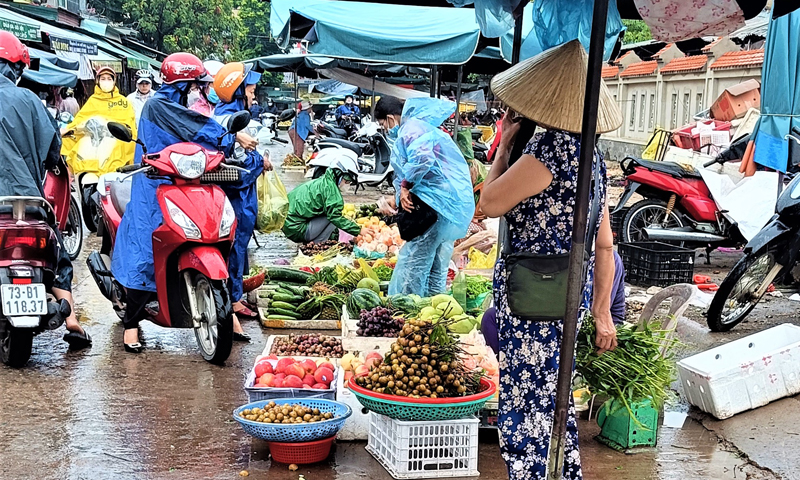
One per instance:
(428,164)
(164,121)
(235,85)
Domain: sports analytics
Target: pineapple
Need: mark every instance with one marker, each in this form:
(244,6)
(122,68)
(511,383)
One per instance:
(320,289)
(329,313)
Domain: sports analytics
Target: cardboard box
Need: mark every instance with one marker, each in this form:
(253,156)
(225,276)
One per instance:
(735,101)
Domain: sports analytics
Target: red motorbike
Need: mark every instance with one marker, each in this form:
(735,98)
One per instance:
(190,248)
(29,253)
(677,207)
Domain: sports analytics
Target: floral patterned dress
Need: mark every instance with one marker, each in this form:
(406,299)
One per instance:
(529,350)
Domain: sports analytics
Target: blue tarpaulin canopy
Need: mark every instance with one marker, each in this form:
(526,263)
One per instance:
(402,34)
(335,88)
(49,74)
(62,62)
(780,92)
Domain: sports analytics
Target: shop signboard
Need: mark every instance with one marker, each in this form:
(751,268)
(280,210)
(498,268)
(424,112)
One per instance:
(73,45)
(23,31)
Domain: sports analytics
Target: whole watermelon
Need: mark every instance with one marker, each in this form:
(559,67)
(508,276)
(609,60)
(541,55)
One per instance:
(362,299)
(403,303)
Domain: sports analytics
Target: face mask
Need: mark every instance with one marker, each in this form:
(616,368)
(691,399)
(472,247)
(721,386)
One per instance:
(192,98)
(212,96)
(106,85)
(392,133)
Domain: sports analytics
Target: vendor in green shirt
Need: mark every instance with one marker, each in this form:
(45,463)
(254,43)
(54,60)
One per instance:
(315,210)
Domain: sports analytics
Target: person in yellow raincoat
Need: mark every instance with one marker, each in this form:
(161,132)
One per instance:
(90,147)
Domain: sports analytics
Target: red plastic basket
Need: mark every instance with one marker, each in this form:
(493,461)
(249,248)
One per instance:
(250,284)
(301,453)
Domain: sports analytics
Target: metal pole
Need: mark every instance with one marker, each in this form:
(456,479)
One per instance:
(372,105)
(296,86)
(517,45)
(555,460)
(458,101)
(434,79)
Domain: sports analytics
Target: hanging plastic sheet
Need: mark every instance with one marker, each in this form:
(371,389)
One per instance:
(556,22)
(780,92)
(494,16)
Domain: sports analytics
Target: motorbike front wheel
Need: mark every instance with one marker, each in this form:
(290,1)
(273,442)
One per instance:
(91,214)
(215,333)
(15,346)
(73,231)
(646,214)
(736,297)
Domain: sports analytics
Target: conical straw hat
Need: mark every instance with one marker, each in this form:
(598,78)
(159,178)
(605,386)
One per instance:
(549,89)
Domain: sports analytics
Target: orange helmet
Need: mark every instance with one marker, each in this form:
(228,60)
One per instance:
(232,76)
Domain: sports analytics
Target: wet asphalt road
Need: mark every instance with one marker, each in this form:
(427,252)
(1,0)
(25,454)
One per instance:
(166,414)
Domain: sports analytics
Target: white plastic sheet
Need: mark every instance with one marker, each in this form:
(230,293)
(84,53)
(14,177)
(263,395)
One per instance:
(750,201)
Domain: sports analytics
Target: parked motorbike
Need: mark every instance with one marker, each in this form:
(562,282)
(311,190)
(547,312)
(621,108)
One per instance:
(677,207)
(370,157)
(192,244)
(266,128)
(769,257)
(28,259)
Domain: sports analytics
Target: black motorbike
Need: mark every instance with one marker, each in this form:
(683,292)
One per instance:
(769,257)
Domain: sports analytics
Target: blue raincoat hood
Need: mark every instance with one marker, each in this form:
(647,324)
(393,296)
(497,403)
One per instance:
(432,111)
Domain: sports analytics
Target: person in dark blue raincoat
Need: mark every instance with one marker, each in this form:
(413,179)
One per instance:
(235,85)
(164,121)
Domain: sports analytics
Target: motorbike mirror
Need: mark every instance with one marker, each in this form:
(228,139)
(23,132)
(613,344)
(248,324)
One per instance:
(287,114)
(239,121)
(120,131)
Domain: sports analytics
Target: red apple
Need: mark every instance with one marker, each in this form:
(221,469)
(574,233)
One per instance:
(283,363)
(309,366)
(261,385)
(309,379)
(306,386)
(362,370)
(327,365)
(292,381)
(277,381)
(320,386)
(324,375)
(347,376)
(296,370)
(266,379)
(263,367)
(271,357)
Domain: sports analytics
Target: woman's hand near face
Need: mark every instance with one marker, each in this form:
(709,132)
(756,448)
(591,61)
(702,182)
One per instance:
(511,124)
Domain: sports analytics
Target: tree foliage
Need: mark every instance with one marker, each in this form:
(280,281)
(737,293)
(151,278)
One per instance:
(637,31)
(257,42)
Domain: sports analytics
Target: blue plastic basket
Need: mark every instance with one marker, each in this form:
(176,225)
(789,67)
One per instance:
(296,432)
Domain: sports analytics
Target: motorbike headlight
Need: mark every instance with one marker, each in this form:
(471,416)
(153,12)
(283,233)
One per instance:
(182,220)
(189,166)
(228,217)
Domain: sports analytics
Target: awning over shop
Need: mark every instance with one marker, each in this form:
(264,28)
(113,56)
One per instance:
(291,62)
(366,84)
(402,34)
(61,62)
(49,74)
(335,88)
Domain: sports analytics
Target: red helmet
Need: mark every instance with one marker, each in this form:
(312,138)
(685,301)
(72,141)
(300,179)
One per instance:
(12,50)
(183,67)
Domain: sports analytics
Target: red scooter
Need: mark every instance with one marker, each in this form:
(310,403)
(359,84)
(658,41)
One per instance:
(28,258)
(677,207)
(191,247)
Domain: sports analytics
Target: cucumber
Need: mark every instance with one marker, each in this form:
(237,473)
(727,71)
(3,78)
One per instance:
(283,305)
(284,291)
(293,299)
(281,311)
(280,317)
(295,290)
(288,275)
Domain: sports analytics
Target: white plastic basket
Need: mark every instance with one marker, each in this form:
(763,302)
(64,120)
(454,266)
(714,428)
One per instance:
(409,450)
(744,374)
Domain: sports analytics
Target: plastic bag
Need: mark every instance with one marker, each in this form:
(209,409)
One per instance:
(273,203)
(479,260)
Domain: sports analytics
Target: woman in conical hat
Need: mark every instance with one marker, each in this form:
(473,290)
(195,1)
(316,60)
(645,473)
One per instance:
(536,194)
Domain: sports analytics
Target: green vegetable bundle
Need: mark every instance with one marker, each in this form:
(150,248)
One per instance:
(477,286)
(635,370)
(383,272)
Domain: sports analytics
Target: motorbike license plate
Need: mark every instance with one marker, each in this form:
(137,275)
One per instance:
(21,300)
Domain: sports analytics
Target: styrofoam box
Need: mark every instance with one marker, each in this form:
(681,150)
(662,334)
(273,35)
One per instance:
(354,344)
(744,374)
(426,449)
(357,426)
(271,340)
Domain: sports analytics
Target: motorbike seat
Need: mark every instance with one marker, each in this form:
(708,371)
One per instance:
(336,130)
(356,148)
(670,168)
(121,194)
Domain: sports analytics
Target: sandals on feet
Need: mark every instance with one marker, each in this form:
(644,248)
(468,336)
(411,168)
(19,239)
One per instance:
(246,313)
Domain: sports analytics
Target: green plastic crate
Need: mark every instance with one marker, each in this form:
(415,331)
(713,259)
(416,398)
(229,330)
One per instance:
(621,432)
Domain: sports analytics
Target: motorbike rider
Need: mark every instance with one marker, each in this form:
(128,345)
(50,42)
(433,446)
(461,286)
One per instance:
(165,121)
(315,209)
(235,85)
(144,91)
(349,109)
(271,107)
(255,109)
(109,105)
(31,143)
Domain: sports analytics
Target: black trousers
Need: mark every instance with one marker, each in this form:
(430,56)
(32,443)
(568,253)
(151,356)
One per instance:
(135,303)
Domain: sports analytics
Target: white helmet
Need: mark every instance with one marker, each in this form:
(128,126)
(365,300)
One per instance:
(213,66)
